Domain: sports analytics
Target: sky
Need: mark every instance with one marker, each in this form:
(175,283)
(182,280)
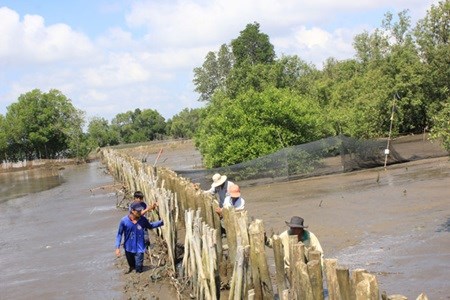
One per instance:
(113,56)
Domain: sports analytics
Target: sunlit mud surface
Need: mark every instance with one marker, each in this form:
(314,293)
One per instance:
(57,241)
(393,223)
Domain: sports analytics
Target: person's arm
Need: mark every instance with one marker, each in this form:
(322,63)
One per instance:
(219,211)
(226,204)
(315,244)
(150,208)
(211,191)
(152,225)
(119,237)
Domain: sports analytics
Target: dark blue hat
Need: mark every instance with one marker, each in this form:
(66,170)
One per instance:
(136,206)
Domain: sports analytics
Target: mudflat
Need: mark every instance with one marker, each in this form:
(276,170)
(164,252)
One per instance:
(394,223)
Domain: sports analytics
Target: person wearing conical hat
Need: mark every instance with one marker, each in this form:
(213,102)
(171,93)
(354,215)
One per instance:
(220,187)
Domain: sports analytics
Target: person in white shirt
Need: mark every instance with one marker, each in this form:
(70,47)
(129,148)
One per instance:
(308,238)
(233,200)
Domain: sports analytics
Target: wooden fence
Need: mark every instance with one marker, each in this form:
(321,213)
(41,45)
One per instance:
(238,261)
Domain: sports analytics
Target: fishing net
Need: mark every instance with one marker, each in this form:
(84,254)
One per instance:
(330,155)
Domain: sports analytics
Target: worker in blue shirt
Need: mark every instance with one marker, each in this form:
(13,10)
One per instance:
(132,227)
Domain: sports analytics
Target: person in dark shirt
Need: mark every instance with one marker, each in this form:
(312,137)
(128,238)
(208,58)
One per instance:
(220,187)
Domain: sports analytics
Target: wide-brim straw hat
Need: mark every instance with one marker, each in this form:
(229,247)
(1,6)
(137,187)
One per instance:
(218,180)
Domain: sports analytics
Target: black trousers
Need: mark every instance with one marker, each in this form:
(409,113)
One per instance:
(135,260)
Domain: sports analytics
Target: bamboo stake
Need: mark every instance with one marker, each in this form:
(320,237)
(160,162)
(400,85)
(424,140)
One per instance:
(345,287)
(422,296)
(316,279)
(238,273)
(263,289)
(285,295)
(304,289)
(280,273)
(330,272)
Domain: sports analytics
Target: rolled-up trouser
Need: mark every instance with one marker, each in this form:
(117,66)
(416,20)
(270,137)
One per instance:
(135,260)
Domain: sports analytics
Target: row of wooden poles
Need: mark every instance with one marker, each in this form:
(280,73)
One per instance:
(241,264)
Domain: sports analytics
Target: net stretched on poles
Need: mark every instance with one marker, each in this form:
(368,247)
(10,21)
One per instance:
(330,155)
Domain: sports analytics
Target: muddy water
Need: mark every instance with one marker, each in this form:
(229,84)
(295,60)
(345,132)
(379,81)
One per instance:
(57,237)
(20,183)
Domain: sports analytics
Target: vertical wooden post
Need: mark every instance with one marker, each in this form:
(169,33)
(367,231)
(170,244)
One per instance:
(422,296)
(301,279)
(332,283)
(229,221)
(263,289)
(278,254)
(345,287)
(285,295)
(316,279)
(291,261)
(365,285)
(251,295)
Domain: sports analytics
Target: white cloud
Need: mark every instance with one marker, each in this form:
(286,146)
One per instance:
(30,41)
(121,69)
(149,64)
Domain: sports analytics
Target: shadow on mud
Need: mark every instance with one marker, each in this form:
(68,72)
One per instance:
(444,227)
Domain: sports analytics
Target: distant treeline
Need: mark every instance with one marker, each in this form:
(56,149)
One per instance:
(257,103)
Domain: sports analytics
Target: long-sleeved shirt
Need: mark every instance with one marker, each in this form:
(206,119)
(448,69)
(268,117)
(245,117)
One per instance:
(239,204)
(134,233)
(309,239)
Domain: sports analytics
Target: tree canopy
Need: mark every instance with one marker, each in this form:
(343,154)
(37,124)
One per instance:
(42,125)
(265,103)
(256,103)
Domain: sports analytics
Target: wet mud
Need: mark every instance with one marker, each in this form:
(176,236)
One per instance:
(395,223)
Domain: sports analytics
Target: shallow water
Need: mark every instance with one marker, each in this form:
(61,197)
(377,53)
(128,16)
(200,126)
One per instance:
(21,183)
(57,241)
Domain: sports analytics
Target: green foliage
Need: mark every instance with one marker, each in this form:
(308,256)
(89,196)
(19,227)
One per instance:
(139,126)
(101,133)
(213,73)
(397,69)
(185,123)
(252,47)
(433,39)
(255,124)
(3,138)
(42,125)
(441,125)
